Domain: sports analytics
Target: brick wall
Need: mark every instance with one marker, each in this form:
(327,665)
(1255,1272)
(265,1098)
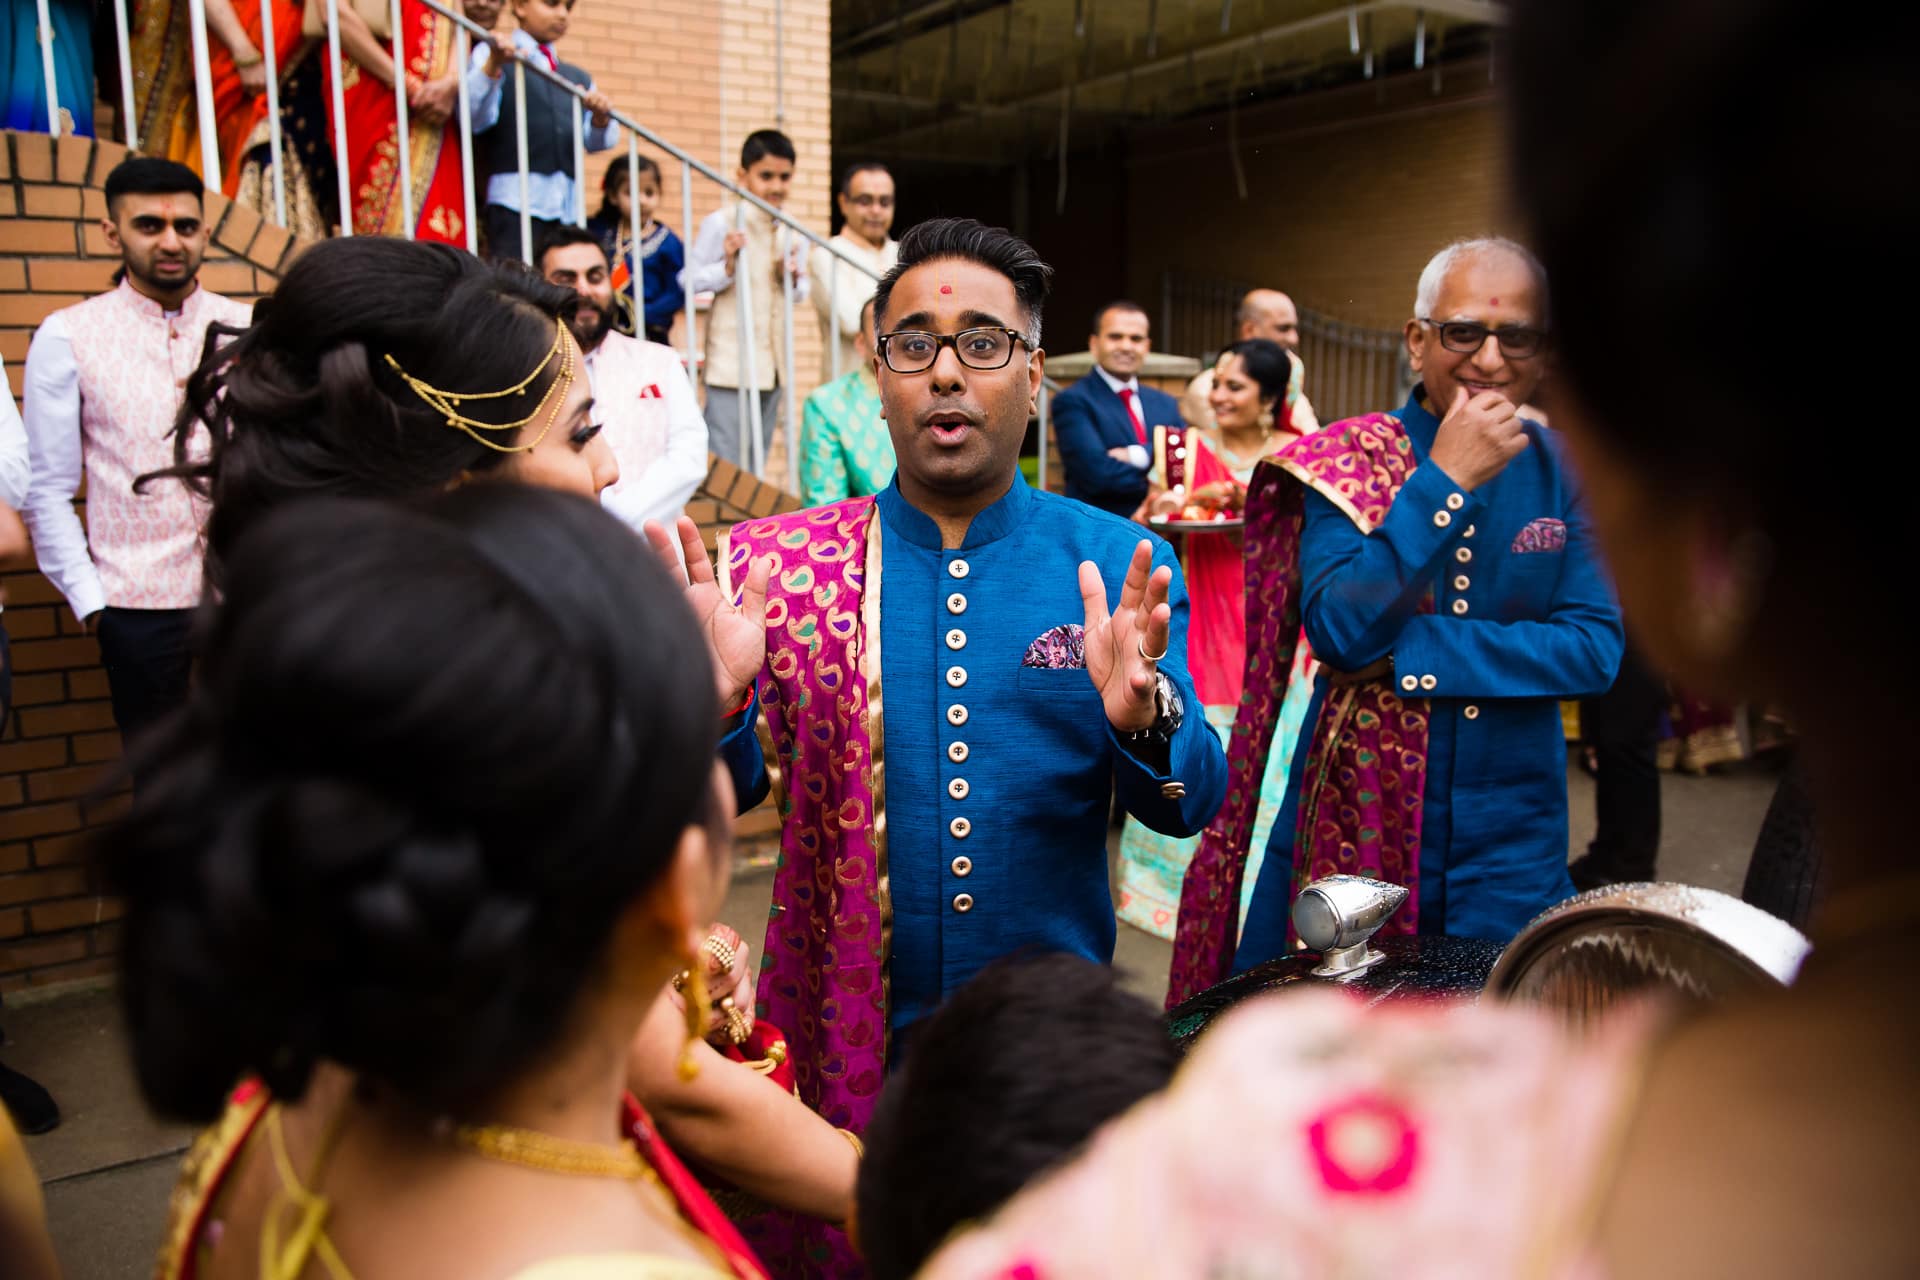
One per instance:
(60,744)
(1349,192)
(702,73)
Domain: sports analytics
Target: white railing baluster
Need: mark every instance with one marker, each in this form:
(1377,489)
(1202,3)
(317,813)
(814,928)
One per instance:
(686,295)
(44,32)
(520,153)
(754,451)
(634,281)
(276,145)
(833,310)
(339,117)
(579,170)
(789,410)
(463,44)
(402,133)
(129,128)
(203,95)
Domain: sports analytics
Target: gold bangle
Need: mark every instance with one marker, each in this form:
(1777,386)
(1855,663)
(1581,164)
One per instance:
(254,61)
(853,1140)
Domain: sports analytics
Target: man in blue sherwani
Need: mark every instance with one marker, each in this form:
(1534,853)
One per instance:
(1105,421)
(1489,528)
(1019,694)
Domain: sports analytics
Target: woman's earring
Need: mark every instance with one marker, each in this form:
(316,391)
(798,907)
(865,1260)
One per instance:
(1266,419)
(699,1007)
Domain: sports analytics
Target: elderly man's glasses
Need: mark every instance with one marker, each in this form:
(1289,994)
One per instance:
(871,201)
(1466,337)
(910,351)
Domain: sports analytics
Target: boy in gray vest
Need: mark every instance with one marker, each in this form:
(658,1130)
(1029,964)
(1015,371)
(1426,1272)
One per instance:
(739,251)
(551,197)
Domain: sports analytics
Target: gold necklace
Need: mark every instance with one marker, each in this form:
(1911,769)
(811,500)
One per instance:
(536,1150)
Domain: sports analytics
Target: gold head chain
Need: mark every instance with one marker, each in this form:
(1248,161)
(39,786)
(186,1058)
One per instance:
(447,403)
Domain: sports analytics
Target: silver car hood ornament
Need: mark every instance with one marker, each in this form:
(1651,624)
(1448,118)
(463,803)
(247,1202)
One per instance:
(1338,915)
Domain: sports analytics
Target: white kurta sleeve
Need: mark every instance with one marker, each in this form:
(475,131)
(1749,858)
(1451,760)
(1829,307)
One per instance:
(53,447)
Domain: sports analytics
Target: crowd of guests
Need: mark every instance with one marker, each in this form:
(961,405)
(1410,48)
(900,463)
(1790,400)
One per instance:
(434,761)
(740,258)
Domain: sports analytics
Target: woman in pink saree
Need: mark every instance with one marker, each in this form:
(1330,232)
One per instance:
(1201,474)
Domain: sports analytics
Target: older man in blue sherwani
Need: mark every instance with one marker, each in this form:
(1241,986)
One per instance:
(1489,528)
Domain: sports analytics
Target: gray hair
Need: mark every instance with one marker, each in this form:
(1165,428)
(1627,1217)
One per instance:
(1427,297)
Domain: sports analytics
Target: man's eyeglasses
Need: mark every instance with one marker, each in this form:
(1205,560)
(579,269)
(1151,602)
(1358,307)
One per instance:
(871,202)
(1467,337)
(910,351)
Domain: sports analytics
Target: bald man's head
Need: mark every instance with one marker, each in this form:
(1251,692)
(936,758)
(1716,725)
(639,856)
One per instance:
(1269,314)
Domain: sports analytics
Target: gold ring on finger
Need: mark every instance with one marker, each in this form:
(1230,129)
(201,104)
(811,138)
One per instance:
(1141,645)
(722,953)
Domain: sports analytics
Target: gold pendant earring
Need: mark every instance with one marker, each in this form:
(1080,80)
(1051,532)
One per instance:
(699,1006)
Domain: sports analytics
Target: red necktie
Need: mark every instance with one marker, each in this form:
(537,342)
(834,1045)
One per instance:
(553,63)
(1133,412)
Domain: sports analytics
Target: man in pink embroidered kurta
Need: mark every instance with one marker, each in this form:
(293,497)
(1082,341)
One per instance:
(104,382)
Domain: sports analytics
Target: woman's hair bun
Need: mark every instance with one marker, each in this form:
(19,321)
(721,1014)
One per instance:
(430,760)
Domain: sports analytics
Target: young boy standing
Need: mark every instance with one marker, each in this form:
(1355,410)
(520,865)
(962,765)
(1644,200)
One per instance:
(549,108)
(740,250)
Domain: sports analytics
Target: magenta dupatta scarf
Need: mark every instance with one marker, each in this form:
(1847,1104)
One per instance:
(823,973)
(1366,768)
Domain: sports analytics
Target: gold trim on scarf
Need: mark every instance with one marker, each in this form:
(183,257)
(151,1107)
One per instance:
(1325,490)
(877,775)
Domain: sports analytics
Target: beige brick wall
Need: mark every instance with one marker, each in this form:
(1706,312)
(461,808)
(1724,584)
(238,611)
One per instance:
(704,74)
(1349,193)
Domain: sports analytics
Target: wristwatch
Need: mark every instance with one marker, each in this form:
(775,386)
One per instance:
(1169,713)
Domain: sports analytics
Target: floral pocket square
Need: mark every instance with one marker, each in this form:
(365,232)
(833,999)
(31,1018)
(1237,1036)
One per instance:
(1062,648)
(1544,534)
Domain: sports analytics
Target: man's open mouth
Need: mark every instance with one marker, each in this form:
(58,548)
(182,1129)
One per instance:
(949,428)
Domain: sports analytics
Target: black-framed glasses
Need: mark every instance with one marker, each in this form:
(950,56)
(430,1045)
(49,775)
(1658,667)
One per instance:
(911,351)
(1466,337)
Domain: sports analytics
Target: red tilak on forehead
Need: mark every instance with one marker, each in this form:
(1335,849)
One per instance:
(946,288)
(1493,302)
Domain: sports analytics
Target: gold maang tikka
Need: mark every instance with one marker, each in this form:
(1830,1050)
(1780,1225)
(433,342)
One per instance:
(447,403)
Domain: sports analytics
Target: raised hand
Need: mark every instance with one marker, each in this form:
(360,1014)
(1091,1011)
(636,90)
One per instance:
(1122,646)
(1478,438)
(736,636)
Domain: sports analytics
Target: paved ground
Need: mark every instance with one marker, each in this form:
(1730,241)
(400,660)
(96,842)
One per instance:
(110,1166)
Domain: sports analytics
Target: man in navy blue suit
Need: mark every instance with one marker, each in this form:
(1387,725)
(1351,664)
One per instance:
(1105,421)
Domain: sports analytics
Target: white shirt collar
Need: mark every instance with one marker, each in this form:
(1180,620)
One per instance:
(1115,385)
